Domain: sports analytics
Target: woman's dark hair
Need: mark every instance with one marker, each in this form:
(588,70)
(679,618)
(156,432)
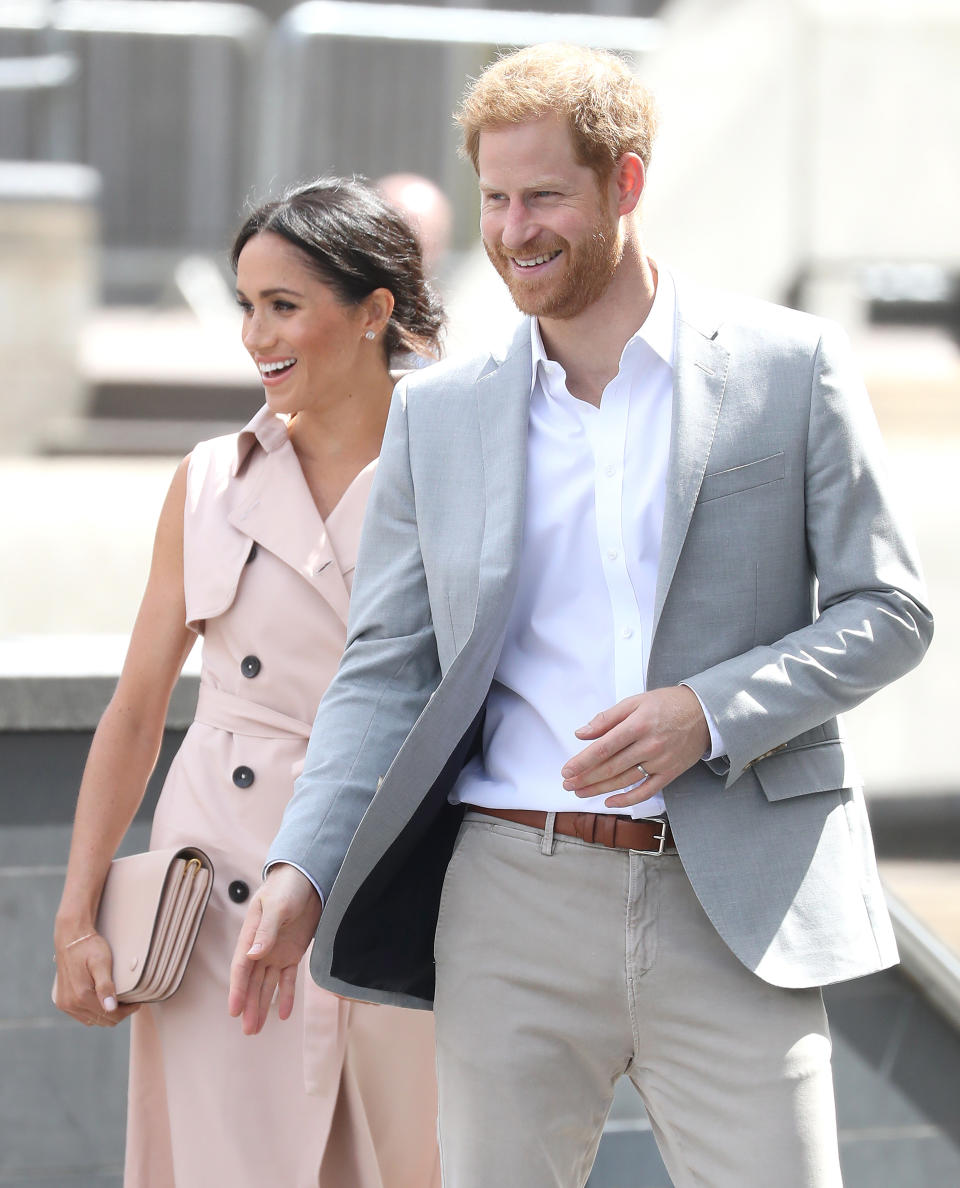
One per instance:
(356,243)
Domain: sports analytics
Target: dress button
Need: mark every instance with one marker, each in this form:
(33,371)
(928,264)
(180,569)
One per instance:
(250,666)
(252,553)
(238,891)
(243,776)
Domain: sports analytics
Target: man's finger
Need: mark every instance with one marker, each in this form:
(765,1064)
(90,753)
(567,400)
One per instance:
(242,965)
(267,989)
(627,784)
(606,719)
(286,991)
(637,795)
(251,1022)
(610,755)
(623,767)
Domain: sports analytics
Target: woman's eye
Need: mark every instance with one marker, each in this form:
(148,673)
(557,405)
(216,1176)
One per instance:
(283,306)
(245,306)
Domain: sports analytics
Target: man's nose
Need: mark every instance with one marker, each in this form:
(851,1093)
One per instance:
(518,228)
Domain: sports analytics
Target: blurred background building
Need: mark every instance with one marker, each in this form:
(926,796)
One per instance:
(808,154)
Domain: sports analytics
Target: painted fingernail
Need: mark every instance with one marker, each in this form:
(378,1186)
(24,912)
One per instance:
(109,1003)
(254,949)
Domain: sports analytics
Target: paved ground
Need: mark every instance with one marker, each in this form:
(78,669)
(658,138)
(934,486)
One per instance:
(931,889)
(897,1067)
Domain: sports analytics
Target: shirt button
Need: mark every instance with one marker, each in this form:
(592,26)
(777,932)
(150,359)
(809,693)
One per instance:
(243,776)
(609,470)
(627,633)
(612,554)
(250,666)
(238,891)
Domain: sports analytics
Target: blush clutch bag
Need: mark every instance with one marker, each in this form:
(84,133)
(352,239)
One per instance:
(150,913)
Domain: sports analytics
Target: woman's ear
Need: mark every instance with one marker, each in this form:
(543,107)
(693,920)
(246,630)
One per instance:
(377,308)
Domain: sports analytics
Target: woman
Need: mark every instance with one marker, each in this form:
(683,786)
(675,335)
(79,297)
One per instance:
(255,550)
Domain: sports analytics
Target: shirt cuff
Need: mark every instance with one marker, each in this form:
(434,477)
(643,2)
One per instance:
(306,874)
(717,749)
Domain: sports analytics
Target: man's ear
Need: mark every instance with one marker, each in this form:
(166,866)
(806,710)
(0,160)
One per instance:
(629,177)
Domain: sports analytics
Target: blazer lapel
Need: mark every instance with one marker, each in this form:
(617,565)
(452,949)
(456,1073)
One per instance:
(700,376)
(503,407)
(277,510)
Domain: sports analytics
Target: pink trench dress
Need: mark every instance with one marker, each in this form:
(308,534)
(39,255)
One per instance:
(342,1094)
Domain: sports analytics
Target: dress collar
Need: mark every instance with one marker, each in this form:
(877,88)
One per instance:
(266,427)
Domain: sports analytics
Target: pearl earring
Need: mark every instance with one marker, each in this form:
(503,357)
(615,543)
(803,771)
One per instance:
(370,335)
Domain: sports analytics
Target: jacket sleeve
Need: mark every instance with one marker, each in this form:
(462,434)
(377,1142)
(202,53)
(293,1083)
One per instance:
(387,673)
(871,624)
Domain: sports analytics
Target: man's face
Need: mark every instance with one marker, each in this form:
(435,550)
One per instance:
(550,229)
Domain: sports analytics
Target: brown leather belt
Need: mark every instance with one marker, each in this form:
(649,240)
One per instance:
(651,836)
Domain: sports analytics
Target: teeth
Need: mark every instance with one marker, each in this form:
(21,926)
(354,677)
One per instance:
(266,368)
(535,260)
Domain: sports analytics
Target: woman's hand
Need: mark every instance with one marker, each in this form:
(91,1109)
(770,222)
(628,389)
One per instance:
(85,986)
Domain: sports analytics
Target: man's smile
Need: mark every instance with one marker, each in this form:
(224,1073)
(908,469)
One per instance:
(534,261)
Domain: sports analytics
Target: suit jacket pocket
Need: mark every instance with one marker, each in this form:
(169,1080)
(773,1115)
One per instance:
(742,478)
(807,767)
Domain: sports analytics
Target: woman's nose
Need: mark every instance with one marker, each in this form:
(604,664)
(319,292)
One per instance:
(256,332)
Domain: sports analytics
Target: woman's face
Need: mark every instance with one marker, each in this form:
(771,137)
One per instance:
(303,339)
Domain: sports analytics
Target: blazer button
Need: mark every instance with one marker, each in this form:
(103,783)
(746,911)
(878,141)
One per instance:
(251,554)
(238,891)
(243,776)
(250,666)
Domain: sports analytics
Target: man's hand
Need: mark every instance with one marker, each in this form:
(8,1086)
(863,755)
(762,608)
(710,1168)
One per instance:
(664,730)
(277,931)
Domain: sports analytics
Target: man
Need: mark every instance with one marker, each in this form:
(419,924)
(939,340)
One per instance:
(614,587)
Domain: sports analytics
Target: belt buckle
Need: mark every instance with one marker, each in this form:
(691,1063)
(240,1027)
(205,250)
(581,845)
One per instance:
(662,839)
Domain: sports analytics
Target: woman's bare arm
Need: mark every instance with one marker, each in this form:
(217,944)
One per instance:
(122,756)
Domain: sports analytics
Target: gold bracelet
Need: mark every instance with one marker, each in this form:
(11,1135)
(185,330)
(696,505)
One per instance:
(86,936)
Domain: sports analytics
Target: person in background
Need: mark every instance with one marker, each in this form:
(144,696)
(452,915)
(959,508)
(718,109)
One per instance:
(425,206)
(255,551)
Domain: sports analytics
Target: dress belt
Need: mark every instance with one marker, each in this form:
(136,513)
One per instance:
(239,715)
(650,836)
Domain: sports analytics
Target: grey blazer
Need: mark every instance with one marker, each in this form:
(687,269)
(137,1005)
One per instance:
(787,593)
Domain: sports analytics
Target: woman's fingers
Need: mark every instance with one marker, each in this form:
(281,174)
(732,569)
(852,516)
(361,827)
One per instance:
(85,986)
(100,967)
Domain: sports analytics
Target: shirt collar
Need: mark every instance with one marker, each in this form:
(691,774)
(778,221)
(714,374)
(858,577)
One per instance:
(658,330)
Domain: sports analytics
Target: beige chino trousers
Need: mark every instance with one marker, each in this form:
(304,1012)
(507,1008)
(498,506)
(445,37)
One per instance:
(562,966)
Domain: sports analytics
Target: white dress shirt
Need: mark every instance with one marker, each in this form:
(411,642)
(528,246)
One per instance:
(578,637)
